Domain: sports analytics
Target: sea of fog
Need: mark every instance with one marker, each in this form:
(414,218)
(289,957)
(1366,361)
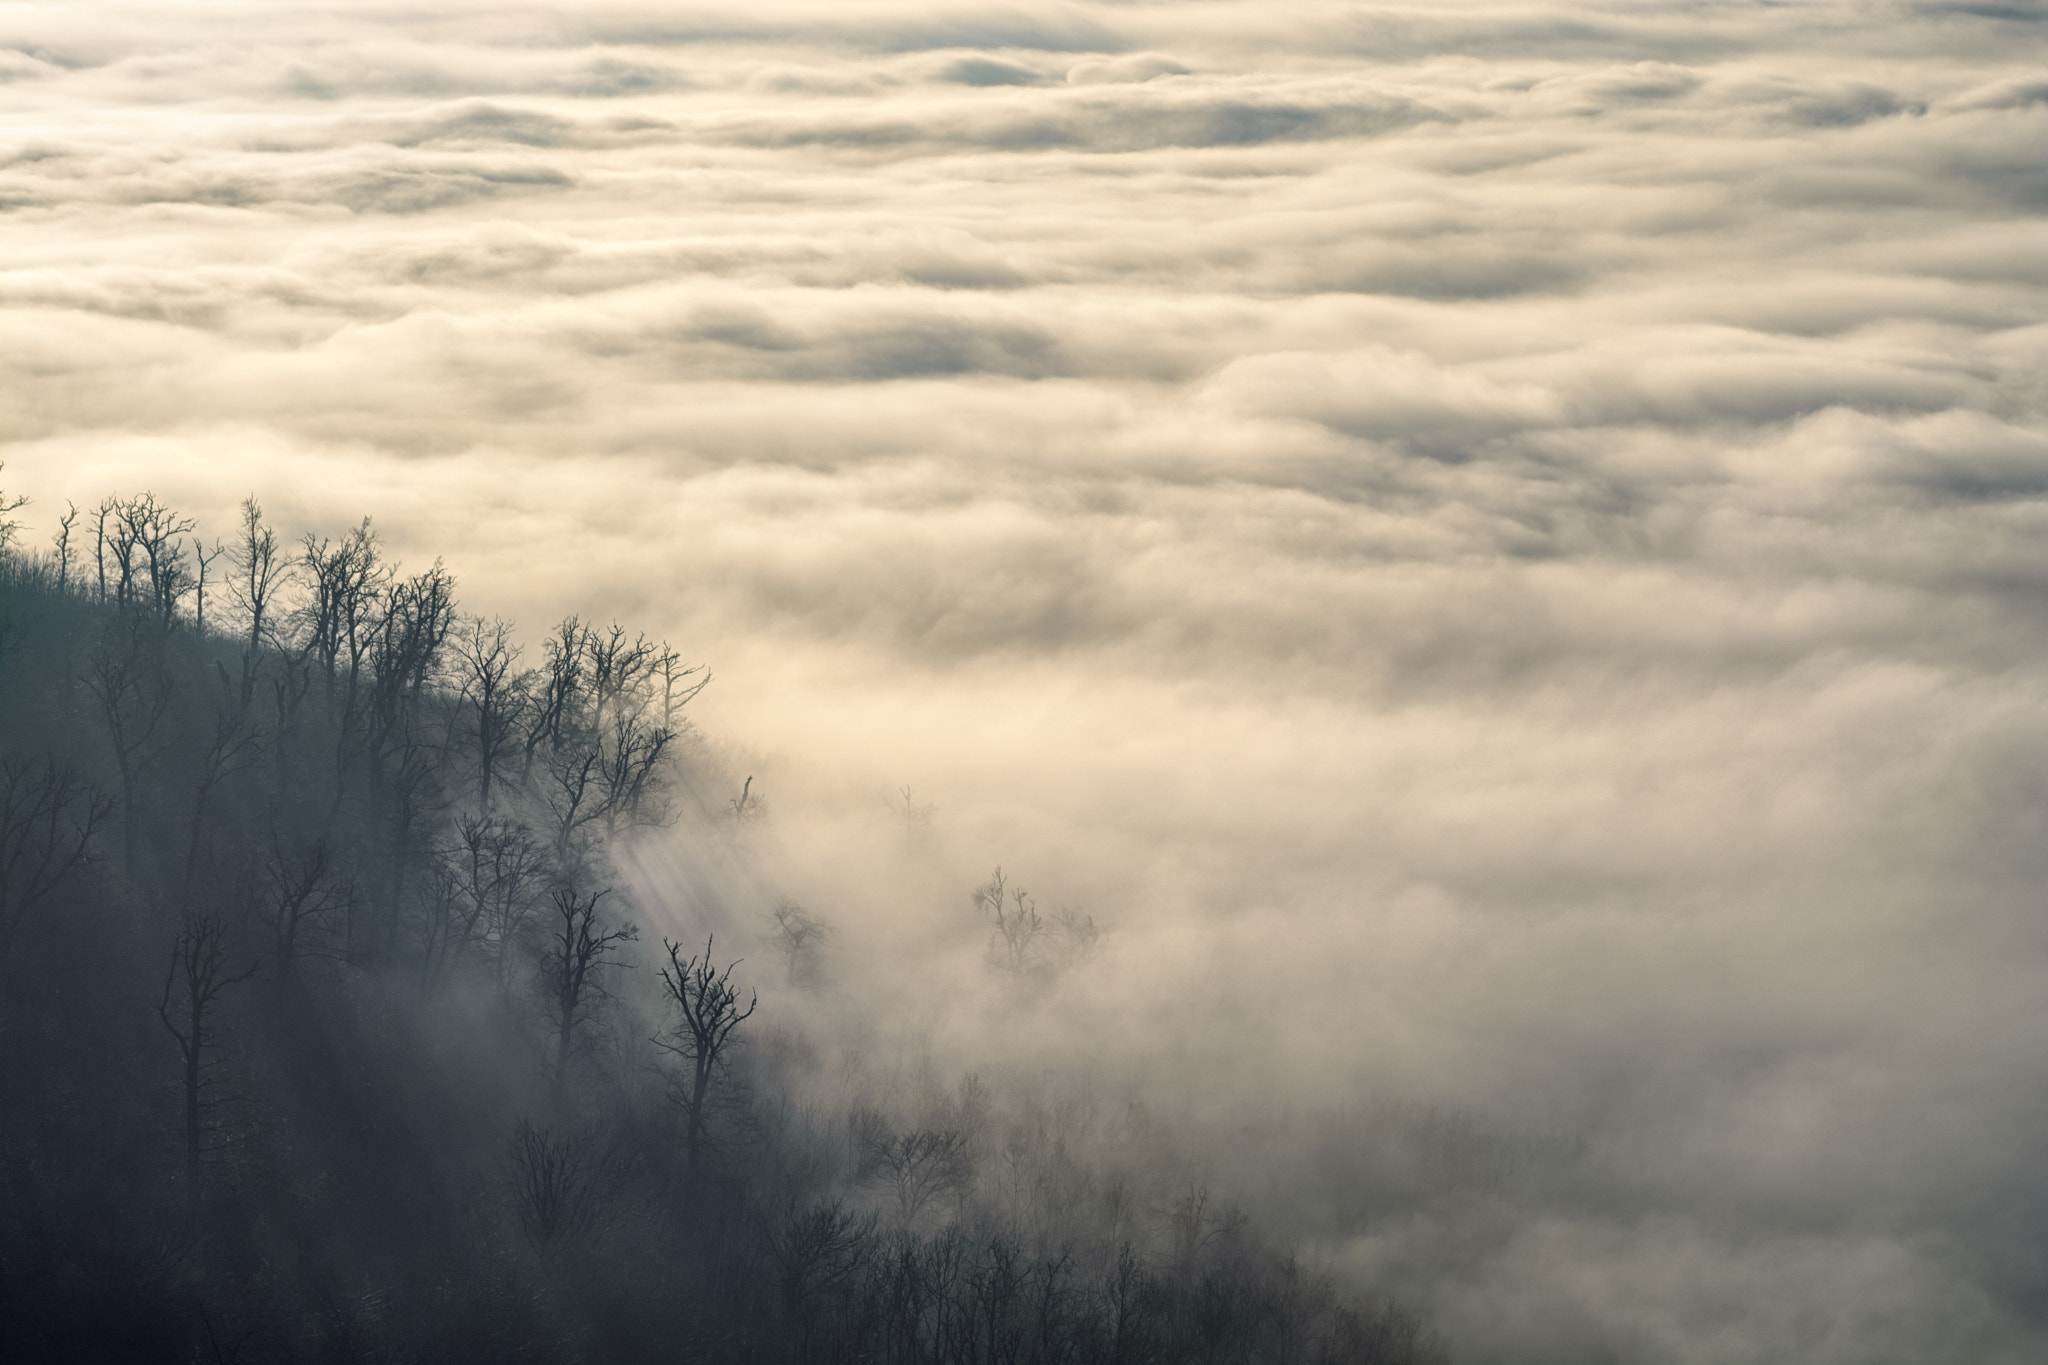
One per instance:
(1501,550)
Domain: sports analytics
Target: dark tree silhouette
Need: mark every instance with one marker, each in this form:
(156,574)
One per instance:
(579,947)
(48,817)
(196,979)
(708,1013)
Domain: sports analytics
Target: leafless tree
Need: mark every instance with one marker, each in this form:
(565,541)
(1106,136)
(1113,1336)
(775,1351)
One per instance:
(197,978)
(799,939)
(708,1014)
(345,581)
(493,693)
(498,868)
(917,1166)
(556,694)
(142,542)
(62,543)
(257,572)
(48,817)
(205,559)
(129,680)
(579,947)
(301,892)
(1192,1225)
(916,817)
(816,1249)
(9,527)
(1024,943)
(233,747)
(1014,924)
(556,1183)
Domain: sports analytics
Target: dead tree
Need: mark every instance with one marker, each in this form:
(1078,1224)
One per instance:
(205,559)
(579,945)
(48,817)
(193,985)
(708,1013)
(62,543)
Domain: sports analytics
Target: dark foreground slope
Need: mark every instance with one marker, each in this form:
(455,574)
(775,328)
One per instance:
(327,1034)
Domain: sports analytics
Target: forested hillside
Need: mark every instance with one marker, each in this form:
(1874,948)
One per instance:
(331,1031)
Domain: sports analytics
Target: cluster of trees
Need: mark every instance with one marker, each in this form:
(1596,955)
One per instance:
(327,1031)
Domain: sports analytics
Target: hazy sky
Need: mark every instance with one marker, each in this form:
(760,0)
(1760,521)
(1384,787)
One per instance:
(1504,548)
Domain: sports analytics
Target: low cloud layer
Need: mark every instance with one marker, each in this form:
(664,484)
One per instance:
(1503,548)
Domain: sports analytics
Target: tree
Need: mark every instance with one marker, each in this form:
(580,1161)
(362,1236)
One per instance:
(708,1014)
(257,572)
(48,817)
(1015,925)
(497,867)
(918,1166)
(193,984)
(232,748)
(579,945)
(141,541)
(493,692)
(8,525)
(800,938)
(555,1184)
(127,676)
(301,892)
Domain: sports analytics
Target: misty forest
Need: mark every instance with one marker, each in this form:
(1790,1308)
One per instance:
(337,1028)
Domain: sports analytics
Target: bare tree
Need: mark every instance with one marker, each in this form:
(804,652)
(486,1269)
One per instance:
(301,892)
(493,694)
(205,559)
(232,748)
(817,1249)
(556,1183)
(579,946)
(142,541)
(1192,1225)
(498,867)
(258,571)
(918,1166)
(556,695)
(62,543)
(48,817)
(799,939)
(1024,943)
(8,525)
(193,985)
(334,622)
(128,679)
(707,1015)
(1014,923)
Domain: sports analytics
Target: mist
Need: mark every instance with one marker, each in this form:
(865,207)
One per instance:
(1497,551)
